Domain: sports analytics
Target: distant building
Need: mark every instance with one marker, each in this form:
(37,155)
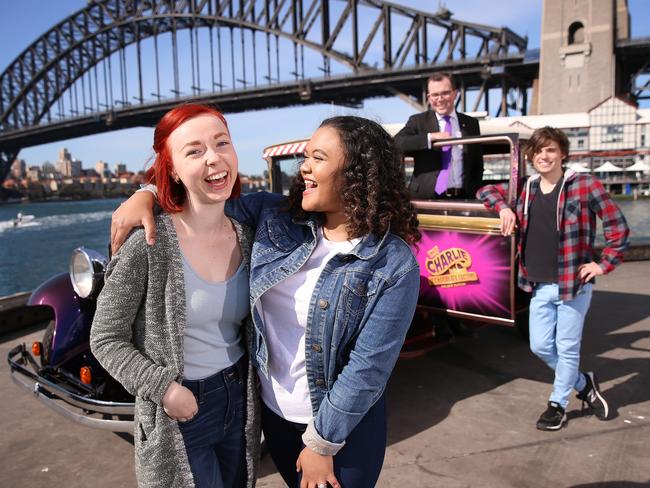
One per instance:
(9,183)
(49,171)
(19,169)
(53,185)
(101,167)
(120,168)
(611,140)
(75,168)
(64,162)
(614,130)
(251,184)
(66,165)
(615,133)
(34,173)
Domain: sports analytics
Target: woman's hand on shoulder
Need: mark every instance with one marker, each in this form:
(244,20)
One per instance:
(317,470)
(179,402)
(136,211)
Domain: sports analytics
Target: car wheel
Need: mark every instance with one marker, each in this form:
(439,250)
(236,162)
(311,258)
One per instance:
(47,343)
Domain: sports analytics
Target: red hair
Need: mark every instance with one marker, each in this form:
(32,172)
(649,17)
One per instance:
(172,195)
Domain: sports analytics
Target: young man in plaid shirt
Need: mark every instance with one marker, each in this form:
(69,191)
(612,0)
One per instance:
(556,214)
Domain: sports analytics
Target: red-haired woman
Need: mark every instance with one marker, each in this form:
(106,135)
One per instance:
(170,320)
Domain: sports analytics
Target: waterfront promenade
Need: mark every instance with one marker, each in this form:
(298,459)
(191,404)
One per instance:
(461,416)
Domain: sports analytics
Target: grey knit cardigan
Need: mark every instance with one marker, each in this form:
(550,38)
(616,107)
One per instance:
(137,336)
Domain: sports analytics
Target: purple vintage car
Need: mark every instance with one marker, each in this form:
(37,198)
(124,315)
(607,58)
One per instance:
(60,370)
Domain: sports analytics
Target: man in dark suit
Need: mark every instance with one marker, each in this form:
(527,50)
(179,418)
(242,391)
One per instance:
(447,172)
(442,172)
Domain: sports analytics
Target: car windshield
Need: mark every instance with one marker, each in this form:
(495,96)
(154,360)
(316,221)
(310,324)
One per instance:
(286,168)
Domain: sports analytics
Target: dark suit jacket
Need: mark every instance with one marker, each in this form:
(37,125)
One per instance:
(412,140)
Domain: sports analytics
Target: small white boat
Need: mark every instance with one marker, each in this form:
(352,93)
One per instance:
(22,219)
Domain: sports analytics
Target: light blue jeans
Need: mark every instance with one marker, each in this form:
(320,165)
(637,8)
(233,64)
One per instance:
(555,336)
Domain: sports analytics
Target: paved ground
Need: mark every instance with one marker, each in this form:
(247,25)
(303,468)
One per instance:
(461,416)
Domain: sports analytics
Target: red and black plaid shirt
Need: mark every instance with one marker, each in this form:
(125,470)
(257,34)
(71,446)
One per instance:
(581,200)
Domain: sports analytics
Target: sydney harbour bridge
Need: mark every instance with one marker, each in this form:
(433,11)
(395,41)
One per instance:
(122,63)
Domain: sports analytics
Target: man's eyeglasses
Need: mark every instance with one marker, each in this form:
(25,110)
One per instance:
(443,94)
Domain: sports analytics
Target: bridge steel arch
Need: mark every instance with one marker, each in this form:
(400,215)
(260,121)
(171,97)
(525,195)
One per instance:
(47,69)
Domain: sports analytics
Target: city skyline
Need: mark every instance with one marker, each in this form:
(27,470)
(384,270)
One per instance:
(66,166)
(252,131)
(55,162)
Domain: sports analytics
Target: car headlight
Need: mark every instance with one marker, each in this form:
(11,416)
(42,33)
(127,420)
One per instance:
(87,271)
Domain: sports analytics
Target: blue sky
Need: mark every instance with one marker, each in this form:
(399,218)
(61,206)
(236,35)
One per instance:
(252,131)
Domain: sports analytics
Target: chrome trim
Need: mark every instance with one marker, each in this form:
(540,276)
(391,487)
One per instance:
(451,205)
(466,315)
(79,418)
(517,167)
(97,263)
(483,225)
(65,402)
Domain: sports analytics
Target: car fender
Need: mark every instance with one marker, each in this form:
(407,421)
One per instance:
(72,317)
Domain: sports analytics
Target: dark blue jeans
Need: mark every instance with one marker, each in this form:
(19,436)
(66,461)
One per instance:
(356,465)
(214,438)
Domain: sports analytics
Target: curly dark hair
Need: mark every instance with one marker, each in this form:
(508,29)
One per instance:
(375,197)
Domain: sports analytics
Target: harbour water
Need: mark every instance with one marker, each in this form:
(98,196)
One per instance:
(40,248)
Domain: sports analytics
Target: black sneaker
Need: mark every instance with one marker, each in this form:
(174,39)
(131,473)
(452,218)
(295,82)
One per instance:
(591,395)
(553,419)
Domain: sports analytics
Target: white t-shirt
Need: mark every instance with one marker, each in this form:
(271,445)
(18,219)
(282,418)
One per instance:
(284,309)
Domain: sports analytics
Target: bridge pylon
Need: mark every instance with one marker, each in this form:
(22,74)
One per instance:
(579,66)
(6,160)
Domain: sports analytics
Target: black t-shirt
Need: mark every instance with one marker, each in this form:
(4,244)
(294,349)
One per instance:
(542,238)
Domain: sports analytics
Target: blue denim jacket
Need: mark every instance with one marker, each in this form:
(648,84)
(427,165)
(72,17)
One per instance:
(360,311)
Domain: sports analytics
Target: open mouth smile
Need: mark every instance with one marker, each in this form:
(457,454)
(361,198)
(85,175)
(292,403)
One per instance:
(217,181)
(310,186)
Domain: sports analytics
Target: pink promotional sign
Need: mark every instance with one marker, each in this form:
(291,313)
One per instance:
(466,272)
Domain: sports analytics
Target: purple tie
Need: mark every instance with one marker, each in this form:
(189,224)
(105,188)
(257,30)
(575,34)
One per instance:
(443,176)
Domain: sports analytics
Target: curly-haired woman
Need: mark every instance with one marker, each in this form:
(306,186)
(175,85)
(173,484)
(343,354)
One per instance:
(334,286)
